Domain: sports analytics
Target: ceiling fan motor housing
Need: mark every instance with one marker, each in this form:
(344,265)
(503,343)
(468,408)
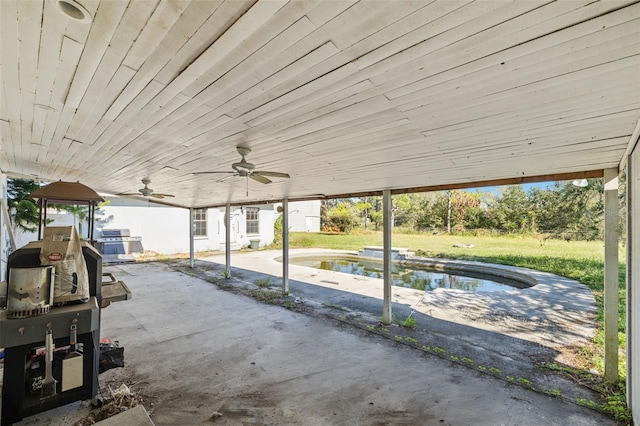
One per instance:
(146,191)
(243,167)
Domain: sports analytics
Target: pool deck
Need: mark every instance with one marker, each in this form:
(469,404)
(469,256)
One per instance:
(198,353)
(556,311)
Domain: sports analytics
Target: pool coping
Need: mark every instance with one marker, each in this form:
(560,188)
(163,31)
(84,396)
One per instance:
(553,310)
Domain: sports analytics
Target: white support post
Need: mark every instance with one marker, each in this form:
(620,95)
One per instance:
(192,260)
(227,233)
(633,284)
(631,253)
(285,246)
(388,279)
(610,275)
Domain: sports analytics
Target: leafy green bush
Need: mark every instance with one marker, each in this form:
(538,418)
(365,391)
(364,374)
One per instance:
(342,218)
(277,231)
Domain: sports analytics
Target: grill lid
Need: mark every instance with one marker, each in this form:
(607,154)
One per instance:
(116,233)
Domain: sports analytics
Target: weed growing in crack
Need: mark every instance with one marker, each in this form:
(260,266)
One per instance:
(555,392)
(616,403)
(409,322)
(586,402)
(334,306)
(263,283)
(524,381)
(266,296)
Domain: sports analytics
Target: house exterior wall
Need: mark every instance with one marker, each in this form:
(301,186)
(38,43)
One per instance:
(633,284)
(304,216)
(163,229)
(239,234)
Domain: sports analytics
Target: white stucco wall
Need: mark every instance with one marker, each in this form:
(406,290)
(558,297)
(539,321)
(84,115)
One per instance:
(166,229)
(163,229)
(238,217)
(304,216)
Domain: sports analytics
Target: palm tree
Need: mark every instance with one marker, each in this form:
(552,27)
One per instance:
(24,213)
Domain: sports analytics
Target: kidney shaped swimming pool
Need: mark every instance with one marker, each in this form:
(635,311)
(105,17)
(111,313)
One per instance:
(418,278)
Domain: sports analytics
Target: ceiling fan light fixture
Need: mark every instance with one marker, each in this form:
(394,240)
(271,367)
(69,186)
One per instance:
(148,192)
(243,166)
(73,10)
(580,183)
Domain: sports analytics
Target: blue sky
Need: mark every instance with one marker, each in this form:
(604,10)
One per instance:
(525,186)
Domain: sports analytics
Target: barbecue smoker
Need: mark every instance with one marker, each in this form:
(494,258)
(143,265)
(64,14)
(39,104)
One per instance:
(37,377)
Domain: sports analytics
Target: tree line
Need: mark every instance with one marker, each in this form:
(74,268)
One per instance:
(561,210)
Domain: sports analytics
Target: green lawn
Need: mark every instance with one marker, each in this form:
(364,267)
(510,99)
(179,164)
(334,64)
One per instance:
(579,260)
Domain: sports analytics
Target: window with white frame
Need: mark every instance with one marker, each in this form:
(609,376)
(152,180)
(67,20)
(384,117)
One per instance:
(253,224)
(200,223)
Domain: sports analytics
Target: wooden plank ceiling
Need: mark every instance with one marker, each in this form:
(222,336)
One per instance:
(344,96)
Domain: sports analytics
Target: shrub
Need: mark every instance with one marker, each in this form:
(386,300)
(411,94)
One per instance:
(342,218)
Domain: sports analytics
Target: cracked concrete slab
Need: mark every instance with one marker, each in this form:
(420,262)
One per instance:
(199,354)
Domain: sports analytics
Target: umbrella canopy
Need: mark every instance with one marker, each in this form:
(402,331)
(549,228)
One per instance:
(66,191)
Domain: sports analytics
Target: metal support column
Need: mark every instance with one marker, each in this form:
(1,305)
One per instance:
(633,284)
(192,260)
(285,246)
(388,279)
(227,233)
(611,275)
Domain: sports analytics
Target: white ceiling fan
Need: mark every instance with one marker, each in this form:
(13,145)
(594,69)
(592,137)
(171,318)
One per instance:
(148,192)
(245,169)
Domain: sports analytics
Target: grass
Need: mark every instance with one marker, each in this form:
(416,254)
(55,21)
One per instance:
(264,283)
(409,322)
(579,260)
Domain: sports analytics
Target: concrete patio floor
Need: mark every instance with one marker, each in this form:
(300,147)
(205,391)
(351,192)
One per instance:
(192,350)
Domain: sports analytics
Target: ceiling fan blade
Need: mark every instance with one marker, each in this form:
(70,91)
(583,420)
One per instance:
(227,177)
(259,178)
(272,174)
(211,173)
(162,195)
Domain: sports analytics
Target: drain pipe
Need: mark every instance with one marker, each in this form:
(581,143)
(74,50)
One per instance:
(285,246)
(388,279)
(227,233)
(192,261)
